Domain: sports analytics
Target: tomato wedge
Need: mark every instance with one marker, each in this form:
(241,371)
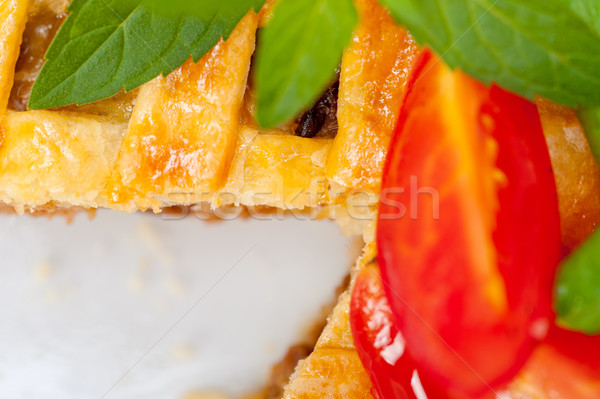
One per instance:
(380,345)
(468,233)
(566,365)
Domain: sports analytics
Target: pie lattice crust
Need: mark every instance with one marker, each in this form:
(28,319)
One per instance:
(189,137)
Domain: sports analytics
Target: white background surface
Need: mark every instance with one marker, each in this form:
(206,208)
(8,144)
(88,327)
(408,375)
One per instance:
(135,306)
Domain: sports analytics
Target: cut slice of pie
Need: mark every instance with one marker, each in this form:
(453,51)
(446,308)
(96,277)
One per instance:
(189,138)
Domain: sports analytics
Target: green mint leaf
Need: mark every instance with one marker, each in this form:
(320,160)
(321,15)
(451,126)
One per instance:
(298,54)
(105,46)
(588,10)
(532,47)
(577,292)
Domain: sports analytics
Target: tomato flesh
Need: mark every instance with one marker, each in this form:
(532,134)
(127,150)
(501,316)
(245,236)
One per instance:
(380,345)
(469,263)
(565,366)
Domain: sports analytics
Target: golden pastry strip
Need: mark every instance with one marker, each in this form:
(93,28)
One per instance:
(575,171)
(375,69)
(184,127)
(266,13)
(278,170)
(52,157)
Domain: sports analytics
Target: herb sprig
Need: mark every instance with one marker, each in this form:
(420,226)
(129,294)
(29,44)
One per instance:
(298,55)
(105,46)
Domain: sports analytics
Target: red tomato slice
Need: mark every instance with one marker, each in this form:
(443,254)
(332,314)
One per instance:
(565,366)
(381,347)
(468,232)
(583,349)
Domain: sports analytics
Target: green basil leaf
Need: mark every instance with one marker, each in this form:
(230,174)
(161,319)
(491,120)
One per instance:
(533,47)
(577,293)
(107,45)
(298,54)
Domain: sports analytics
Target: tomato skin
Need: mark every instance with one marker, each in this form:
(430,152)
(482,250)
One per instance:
(380,345)
(374,331)
(470,289)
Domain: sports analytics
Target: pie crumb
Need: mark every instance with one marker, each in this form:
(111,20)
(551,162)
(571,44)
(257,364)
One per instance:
(43,271)
(183,352)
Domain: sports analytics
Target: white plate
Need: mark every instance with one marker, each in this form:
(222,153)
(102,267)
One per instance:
(137,306)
